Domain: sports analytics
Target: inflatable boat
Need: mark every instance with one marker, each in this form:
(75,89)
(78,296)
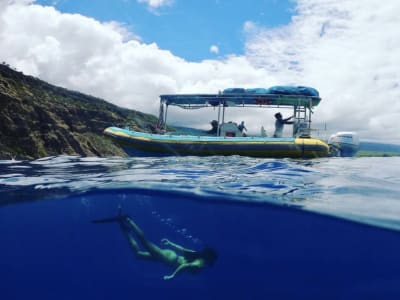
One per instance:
(227,138)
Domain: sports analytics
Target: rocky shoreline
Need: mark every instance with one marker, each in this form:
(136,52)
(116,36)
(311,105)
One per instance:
(39,119)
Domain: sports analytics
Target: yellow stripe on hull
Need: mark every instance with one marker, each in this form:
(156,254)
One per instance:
(155,144)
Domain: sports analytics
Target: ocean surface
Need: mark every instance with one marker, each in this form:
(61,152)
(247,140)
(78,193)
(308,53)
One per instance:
(283,229)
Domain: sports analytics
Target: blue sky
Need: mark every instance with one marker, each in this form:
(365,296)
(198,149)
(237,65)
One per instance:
(188,28)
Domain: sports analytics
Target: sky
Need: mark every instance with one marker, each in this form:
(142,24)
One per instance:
(131,51)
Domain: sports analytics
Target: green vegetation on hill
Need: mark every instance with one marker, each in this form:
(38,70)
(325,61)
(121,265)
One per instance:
(38,119)
(376,154)
(374,149)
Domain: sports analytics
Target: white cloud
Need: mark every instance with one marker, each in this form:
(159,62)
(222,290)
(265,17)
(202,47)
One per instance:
(214,49)
(155,5)
(347,50)
(83,54)
(249,27)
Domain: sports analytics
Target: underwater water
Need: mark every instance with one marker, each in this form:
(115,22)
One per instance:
(283,229)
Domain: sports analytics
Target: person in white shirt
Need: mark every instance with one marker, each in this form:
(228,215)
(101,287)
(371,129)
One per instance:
(280,123)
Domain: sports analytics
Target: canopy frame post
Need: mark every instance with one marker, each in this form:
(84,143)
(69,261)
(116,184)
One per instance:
(219,120)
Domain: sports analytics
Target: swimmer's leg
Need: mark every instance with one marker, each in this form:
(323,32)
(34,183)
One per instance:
(133,243)
(153,249)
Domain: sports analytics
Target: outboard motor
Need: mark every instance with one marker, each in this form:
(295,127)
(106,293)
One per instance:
(344,144)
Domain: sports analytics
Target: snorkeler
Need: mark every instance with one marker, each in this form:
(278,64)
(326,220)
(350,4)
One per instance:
(188,260)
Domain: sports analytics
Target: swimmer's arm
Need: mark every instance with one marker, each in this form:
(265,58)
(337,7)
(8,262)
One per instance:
(167,242)
(180,268)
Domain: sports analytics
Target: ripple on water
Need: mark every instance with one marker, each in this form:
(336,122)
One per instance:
(362,189)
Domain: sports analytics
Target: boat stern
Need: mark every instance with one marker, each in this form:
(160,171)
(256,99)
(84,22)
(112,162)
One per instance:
(313,147)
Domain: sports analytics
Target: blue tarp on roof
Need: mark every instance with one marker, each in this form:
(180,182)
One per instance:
(276,90)
(257,91)
(293,90)
(276,95)
(234,91)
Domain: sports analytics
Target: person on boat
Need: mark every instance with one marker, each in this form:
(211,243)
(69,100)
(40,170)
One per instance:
(214,125)
(280,123)
(174,255)
(242,128)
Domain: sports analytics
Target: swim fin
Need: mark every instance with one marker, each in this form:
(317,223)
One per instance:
(119,218)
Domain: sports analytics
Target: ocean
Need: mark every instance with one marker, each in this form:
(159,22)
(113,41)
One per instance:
(282,229)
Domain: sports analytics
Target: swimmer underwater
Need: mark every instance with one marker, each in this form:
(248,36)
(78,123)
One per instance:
(174,255)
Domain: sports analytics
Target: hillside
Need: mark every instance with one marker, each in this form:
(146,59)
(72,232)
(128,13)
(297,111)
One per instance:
(38,120)
(378,149)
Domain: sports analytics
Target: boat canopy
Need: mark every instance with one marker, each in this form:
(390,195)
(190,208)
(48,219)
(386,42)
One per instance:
(274,96)
(301,99)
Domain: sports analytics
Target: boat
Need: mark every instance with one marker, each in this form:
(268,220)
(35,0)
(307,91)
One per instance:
(226,138)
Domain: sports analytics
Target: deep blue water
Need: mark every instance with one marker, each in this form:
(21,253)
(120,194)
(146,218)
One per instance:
(283,229)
